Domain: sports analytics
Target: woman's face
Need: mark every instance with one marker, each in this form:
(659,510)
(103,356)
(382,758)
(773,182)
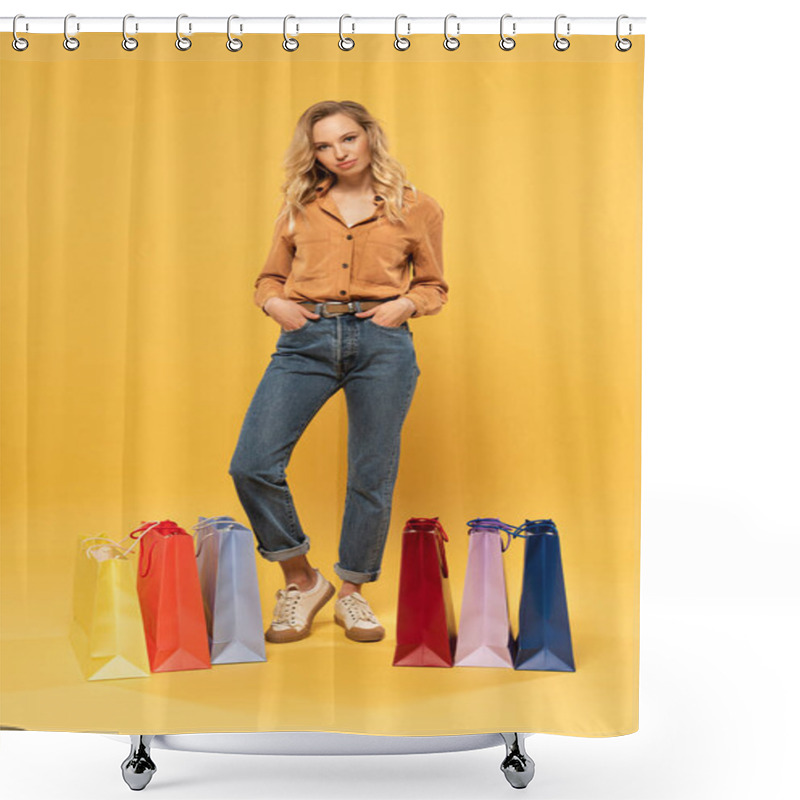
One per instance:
(341,145)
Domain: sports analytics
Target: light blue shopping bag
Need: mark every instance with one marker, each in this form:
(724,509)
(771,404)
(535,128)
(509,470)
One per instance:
(226,563)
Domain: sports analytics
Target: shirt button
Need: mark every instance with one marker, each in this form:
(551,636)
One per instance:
(344,266)
(349,235)
(342,291)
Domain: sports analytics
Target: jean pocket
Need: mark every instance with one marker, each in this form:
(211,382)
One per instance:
(403,327)
(296,330)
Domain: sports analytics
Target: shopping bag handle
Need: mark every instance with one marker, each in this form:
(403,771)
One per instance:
(89,552)
(212,521)
(533,526)
(148,526)
(203,526)
(424,525)
(145,526)
(492,523)
(217,522)
(165,527)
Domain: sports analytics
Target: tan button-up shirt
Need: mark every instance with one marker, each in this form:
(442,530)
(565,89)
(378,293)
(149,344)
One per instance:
(324,259)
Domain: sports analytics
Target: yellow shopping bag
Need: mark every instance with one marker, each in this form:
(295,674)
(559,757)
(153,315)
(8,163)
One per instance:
(107,633)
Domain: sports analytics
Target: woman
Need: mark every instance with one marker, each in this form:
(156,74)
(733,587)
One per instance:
(337,281)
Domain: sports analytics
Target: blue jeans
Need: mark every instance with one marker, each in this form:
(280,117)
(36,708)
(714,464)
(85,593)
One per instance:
(377,367)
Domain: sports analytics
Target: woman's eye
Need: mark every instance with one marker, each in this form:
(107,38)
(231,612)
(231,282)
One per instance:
(347,138)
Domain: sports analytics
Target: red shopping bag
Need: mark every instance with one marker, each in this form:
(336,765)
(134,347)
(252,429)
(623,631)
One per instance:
(170,598)
(426,630)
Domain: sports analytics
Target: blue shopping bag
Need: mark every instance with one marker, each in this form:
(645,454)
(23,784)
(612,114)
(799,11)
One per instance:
(226,564)
(544,641)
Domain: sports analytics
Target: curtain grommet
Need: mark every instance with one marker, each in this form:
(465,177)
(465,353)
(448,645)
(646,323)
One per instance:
(451,42)
(507,42)
(400,42)
(623,45)
(182,42)
(561,43)
(290,44)
(233,44)
(129,43)
(345,42)
(71,43)
(17,42)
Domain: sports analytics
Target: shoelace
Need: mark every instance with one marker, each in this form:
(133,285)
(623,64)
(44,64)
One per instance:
(286,607)
(358,609)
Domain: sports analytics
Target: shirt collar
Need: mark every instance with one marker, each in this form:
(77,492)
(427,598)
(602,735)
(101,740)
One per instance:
(325,184)
(327,202)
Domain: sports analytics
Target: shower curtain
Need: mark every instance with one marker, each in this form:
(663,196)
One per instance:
(139,195)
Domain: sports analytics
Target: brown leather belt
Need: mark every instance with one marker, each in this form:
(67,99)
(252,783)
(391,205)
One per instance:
(333,308)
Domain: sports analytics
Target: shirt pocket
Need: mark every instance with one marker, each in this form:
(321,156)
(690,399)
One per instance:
(385,258)
(312,256)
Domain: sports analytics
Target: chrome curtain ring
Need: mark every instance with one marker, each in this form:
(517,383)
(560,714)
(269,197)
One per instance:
(70,42)
(623,45)
(345,42)
(128,42)
(451,42)
(182,42)
(506,42)
(289,43)
(234,45)
(560,42)
(400,43)
(18,43)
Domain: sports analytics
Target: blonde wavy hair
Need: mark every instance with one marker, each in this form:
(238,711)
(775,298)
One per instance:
(304,172)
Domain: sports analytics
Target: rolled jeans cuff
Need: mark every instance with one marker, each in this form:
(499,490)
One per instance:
(355,577)
(286,553)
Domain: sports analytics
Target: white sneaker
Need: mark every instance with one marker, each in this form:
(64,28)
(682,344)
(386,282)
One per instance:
(355,616)
(295,610)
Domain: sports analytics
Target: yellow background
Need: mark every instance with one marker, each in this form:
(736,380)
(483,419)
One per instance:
(139,192)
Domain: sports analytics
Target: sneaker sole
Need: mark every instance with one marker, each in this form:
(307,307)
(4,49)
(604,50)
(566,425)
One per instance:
(360,635)
(279,637)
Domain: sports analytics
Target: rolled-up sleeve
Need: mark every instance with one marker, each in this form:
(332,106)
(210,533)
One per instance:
(276,269)
(428,289)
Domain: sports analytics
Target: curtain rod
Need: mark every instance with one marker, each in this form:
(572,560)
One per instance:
(406,26)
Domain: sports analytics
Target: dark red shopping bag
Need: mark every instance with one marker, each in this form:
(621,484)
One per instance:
(171,599)
(426,629)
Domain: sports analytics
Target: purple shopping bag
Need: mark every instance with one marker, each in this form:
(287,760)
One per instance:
(484,630)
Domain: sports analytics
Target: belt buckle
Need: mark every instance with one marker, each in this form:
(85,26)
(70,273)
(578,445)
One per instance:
(352,305)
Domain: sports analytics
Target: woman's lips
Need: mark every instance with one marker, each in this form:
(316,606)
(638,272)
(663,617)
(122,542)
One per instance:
(347,164)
